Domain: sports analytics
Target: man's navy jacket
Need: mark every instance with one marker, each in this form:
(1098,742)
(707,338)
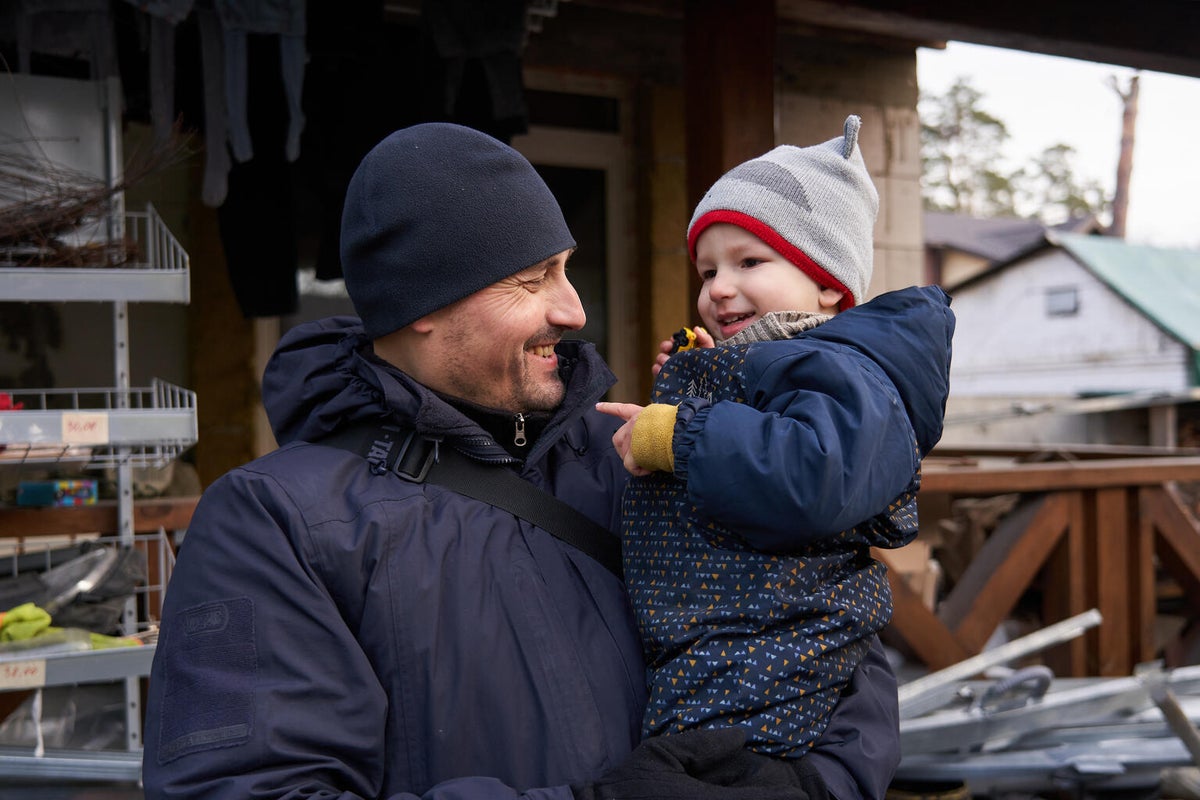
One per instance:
(332,632)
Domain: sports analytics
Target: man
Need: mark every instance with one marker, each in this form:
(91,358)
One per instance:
(335,630)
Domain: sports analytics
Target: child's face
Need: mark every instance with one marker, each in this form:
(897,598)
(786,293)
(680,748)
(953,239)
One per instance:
(743,278)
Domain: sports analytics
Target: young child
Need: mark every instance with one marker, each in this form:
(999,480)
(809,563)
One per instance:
(769,464)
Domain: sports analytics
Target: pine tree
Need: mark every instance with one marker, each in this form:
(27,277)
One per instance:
(961,154)
(964,173)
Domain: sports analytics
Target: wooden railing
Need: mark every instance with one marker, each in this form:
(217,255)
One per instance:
(1093,531)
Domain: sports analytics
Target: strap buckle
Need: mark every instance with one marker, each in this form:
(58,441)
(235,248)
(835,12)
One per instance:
(410,461)
(417,454)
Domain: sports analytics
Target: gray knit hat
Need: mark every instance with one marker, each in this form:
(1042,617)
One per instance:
(816,206)
(435,213)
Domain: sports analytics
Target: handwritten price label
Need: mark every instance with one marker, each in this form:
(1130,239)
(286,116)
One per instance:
(84,427)
(22,674)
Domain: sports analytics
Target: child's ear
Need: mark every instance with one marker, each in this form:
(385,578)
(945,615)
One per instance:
(830,299)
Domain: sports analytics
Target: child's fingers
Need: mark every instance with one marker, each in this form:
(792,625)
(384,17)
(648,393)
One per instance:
(667,347)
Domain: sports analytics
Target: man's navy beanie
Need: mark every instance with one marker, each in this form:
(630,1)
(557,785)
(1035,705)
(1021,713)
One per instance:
(437,212)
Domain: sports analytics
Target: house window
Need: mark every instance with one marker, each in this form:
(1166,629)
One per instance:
(1062,301)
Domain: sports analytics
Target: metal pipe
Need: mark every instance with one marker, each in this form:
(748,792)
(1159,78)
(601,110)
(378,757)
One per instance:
(928,692)
(1157,686)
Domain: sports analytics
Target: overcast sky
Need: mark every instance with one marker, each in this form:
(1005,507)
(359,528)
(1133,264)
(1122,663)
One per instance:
(1044,100)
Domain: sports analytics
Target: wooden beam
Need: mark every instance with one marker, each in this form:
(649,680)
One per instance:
(730,86)
(1058,453)
(1112,556)
(1099,474)
(729,95)
(1003,569)
(932,642)
(221,348)
(1163,38)
(1178,538)
(1143,596)
(169,513)
(1065,593)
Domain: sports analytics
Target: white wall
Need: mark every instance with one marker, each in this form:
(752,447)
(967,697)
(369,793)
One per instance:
(1030,420)
(1006,343)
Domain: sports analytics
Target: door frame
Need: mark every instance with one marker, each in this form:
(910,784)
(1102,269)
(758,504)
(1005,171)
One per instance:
(611,153)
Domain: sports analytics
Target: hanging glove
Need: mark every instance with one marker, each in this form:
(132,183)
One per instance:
(702,764)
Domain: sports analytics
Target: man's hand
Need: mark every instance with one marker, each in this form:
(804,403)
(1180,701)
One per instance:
(698,764)
(703,339)
(623,439)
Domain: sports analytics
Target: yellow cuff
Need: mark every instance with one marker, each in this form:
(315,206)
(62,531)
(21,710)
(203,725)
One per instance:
(653,435)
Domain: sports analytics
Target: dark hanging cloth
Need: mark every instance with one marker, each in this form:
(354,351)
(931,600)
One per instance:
(256,219)
(473,64)
(360,85)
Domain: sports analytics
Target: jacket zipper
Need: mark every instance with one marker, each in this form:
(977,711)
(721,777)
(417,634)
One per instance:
(519,431)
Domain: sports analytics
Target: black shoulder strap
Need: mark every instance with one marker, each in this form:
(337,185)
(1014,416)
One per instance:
(419,460)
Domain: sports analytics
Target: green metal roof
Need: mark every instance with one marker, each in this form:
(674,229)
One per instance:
(1163,284)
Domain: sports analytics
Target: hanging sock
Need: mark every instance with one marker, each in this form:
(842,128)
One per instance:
(285,19)
(216,152)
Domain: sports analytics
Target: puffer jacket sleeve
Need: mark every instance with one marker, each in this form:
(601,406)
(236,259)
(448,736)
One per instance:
(259,687)
(834,425)
(823,444)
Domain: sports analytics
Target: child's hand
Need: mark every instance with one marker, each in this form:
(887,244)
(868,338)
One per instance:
(623,439)
(667,346)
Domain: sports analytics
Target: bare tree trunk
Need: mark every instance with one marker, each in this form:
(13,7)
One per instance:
(1120,203)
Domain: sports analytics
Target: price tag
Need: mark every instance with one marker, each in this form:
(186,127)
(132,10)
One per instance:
(85,427)
(22,674)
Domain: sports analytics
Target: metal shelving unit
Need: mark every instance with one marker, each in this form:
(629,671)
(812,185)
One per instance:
(71,127)
(119,428)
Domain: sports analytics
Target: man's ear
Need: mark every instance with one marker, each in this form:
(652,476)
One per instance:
(397,348)
(830,300)
(425,324)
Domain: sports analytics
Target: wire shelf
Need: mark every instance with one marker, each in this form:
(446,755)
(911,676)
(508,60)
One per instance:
(129,256)
(79,553)
(101,427)
(132,240)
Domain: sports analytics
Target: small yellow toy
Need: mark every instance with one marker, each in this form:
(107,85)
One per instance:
(684,338)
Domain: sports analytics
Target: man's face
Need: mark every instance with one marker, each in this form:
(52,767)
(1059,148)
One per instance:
(742,278)
(495,348)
